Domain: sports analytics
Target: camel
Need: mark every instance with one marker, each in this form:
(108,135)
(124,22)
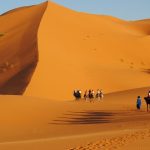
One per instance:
(147,100)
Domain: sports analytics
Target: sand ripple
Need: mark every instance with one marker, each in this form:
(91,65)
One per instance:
(115,142)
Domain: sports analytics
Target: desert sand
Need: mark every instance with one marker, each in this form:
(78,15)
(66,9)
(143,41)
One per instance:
(72,50)
(29,123)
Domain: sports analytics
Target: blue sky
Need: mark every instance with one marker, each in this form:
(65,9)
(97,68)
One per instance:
(6,5)
(125,9)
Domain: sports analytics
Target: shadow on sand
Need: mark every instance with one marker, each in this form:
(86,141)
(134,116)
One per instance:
(84,117)
(146,71)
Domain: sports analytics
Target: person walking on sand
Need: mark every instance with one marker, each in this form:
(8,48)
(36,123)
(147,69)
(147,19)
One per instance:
(93,93)
(92,96)
(98,94)
(89,94)
(148,94)
(85,95)
(138,103)
(101,94)
(75,94)
(80,94)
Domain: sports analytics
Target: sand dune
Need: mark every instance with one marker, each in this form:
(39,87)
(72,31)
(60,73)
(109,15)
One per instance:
(79,50)
(76,50)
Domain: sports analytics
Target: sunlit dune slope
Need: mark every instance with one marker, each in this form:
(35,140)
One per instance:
(18,47)
(79,50)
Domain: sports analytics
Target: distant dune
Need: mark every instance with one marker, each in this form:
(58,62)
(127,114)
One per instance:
(144,25)
(76,50)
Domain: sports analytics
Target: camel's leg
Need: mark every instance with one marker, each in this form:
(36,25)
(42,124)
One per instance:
(147,106)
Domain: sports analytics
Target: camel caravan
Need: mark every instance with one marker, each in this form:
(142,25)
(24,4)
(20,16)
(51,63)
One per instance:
(88,95)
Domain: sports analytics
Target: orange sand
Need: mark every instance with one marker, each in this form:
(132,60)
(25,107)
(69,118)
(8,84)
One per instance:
(29,123)
(76,50)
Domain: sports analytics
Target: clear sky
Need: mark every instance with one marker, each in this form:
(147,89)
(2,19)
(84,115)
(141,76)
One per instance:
(6,5)
(125,9)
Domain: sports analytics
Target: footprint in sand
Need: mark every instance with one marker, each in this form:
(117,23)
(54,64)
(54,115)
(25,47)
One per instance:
(94,50)
(132,63)
(122,60)
(6,66)
(86,37)
(131,67)
(142,63)
(116,142)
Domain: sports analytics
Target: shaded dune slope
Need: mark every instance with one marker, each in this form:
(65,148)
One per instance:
(18,47)
(79,50)
(144,25)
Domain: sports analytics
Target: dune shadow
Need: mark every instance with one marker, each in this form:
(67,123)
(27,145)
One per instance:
(17,84)
(84,117)
(146,71)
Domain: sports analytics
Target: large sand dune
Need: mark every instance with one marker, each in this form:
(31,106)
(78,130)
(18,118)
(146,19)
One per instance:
(79,50)
(76,50)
